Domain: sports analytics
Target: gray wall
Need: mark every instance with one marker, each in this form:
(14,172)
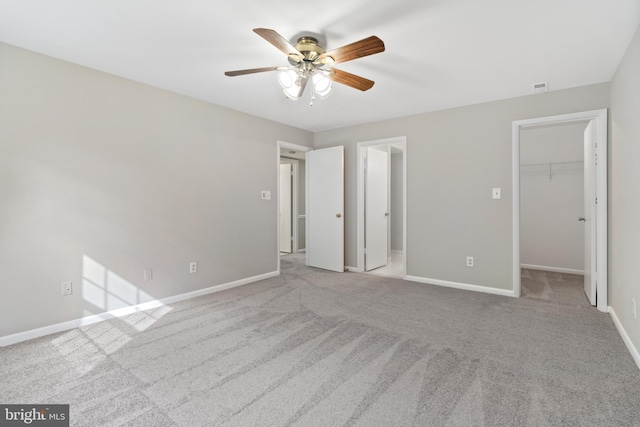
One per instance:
(99,174)
(454,159)
(624,195)
(396,202)
(101,177)
(550,234)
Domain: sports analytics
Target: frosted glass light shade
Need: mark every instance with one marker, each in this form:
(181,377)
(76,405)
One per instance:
(321,85)
(288,81)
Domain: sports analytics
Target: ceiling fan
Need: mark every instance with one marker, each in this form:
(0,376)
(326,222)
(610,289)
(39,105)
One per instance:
(310,61)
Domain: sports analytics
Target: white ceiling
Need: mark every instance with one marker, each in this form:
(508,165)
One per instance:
(439,53)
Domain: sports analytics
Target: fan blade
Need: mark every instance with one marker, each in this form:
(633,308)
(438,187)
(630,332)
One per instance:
(351,80)
(365,47)
(278,41)
(249,71)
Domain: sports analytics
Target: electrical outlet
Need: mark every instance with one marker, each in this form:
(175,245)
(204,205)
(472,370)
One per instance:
(265,195)
(193,267)
(148,274)
(67,289)
(634,308)
(469,261)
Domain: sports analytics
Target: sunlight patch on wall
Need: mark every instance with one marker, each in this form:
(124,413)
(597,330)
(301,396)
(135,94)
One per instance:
(106,289)
(94,282)
(113,296)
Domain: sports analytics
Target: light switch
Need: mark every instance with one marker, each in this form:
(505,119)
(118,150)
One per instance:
(265,195)
(497,193)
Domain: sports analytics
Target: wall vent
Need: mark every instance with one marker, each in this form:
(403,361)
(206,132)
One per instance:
(539,87)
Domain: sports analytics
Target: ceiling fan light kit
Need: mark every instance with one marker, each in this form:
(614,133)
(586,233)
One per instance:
(308,61)
(293,83)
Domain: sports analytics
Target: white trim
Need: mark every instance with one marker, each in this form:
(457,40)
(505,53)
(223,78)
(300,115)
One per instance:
(404,206)
(463,286)
(121,312)
(351,269)
(625,337)
(515,229)
(400,142)
(599,117)
(294,201)
(289,146)
(294,211)
(552,269)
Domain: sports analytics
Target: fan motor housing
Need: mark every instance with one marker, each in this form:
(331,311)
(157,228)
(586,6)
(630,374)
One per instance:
(309,47)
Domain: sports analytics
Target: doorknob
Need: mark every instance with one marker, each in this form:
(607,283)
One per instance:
(386,214)
(338,215)
(581,219)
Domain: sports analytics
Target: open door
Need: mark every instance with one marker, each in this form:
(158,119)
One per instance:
(325,208)
(376,208)
(589,219)
(285,208)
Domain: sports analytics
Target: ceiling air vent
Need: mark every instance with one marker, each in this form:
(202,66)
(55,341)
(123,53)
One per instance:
(539,87)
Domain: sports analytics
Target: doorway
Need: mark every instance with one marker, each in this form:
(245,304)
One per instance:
(381,208)
(552,206)
(291,201)
(595,198)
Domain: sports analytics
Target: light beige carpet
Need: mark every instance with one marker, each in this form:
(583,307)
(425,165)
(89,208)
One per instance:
(316,348)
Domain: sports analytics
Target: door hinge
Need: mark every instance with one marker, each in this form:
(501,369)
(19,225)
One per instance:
(596,200)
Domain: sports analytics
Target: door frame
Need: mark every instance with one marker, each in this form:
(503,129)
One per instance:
(599,118)
(360,178)
(282,146)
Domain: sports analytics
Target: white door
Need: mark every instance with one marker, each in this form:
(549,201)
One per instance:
(589,218)
(376,213)
(325,208)
(285,207)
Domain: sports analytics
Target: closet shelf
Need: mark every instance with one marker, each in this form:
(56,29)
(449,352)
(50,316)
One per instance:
(552,168)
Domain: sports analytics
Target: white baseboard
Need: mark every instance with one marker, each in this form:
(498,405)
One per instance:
(302,250)
(552,269)
(464,286)
(351,269)
(625,337)
(88,320)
